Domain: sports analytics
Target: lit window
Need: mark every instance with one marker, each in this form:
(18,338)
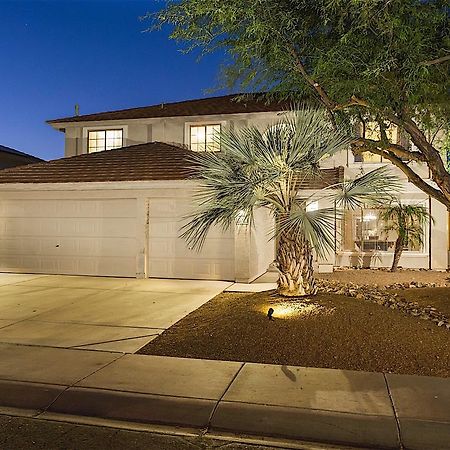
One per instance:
(372,131)
(364,230)
(205,138)
(99,140)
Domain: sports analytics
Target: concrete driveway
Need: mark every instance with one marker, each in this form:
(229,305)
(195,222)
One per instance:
(94,313)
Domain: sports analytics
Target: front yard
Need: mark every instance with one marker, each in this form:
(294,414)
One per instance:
(329,330)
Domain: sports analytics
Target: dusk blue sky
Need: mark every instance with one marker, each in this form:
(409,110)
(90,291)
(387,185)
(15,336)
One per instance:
(56,53)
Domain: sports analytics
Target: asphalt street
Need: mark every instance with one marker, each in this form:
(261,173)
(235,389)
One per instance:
(19,433)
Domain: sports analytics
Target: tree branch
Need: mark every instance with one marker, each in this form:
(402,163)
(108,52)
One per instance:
(326,100)
(370,145)
(354,101)
(411,175)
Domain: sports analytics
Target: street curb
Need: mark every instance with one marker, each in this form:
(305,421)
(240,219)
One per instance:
(307,424)
(230,417)
(134,407)
(25,395)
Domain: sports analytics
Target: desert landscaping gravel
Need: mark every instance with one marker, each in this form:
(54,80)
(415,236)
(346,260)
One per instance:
(329,330)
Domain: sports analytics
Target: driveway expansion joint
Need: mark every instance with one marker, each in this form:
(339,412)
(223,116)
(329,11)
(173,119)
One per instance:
(211,416)
(397,421)
(73,384)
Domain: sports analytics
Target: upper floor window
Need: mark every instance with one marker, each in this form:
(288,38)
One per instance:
(205,138)
(372,131)
(99,140)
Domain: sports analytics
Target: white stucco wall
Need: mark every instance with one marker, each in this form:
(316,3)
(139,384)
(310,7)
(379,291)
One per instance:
(168,129)
(262,247)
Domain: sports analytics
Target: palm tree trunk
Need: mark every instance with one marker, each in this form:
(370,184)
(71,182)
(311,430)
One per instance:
(295,265)
(397,253)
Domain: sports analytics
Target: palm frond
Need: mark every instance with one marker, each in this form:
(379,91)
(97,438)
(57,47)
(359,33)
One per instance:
(376,187)
(258,168)
(318,227)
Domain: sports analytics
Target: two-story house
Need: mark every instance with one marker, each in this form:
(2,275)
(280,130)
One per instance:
(114,204)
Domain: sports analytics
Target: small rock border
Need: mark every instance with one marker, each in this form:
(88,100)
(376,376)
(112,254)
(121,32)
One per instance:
(387,299)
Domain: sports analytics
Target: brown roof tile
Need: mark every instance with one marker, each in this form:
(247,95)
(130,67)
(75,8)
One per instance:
(143,162)
(226,104)
(152,161)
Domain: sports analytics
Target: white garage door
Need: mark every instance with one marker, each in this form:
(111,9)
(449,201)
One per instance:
(169,256)
(69,236)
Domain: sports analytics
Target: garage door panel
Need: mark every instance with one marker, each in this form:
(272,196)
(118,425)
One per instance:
(173,208)
(77,236)
(202,269)
(166,227)
(99,227)
(69,208)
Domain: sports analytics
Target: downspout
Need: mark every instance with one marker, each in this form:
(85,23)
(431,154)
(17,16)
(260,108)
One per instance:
(429,233)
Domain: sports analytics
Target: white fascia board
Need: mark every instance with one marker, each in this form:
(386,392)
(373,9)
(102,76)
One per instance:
(102,186)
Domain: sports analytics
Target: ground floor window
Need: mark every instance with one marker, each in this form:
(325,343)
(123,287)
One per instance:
(363,230)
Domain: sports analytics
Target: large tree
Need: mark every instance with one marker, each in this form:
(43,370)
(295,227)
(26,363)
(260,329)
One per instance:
(270,169)
(382,60)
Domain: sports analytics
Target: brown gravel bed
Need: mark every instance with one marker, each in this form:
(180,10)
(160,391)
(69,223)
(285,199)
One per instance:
(328,331)
(382,277)
(438,297)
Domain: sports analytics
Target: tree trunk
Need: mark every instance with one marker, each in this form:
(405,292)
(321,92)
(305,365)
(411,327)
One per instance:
(294,262)
(397,253)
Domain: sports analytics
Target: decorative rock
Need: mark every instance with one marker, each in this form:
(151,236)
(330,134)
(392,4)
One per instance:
(388,299)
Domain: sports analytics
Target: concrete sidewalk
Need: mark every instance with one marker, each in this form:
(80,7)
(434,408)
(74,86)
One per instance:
(321,405)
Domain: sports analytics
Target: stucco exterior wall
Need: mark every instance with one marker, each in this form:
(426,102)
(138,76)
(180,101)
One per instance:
(169,129)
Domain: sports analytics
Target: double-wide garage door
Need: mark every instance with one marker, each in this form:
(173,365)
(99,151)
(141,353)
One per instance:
(69,236)
(100,237)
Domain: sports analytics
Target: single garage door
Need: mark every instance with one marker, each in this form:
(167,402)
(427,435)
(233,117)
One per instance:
(169,256)
(69,236)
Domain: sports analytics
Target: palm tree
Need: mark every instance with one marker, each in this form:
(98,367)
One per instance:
(268,169)
(408,222)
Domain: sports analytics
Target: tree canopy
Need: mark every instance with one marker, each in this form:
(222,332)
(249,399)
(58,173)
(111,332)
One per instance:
(382,60)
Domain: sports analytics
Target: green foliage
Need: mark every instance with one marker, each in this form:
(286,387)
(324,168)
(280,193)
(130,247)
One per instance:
(378,50)
(445,150)
(407,221)
(268,169)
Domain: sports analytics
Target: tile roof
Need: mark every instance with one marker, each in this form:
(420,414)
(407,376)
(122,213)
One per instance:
(10,157)
(151,161)
(143,162)
(226,104)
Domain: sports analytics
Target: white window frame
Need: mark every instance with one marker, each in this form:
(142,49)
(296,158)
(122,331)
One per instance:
(124,128)
(412,253)
(188,125)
